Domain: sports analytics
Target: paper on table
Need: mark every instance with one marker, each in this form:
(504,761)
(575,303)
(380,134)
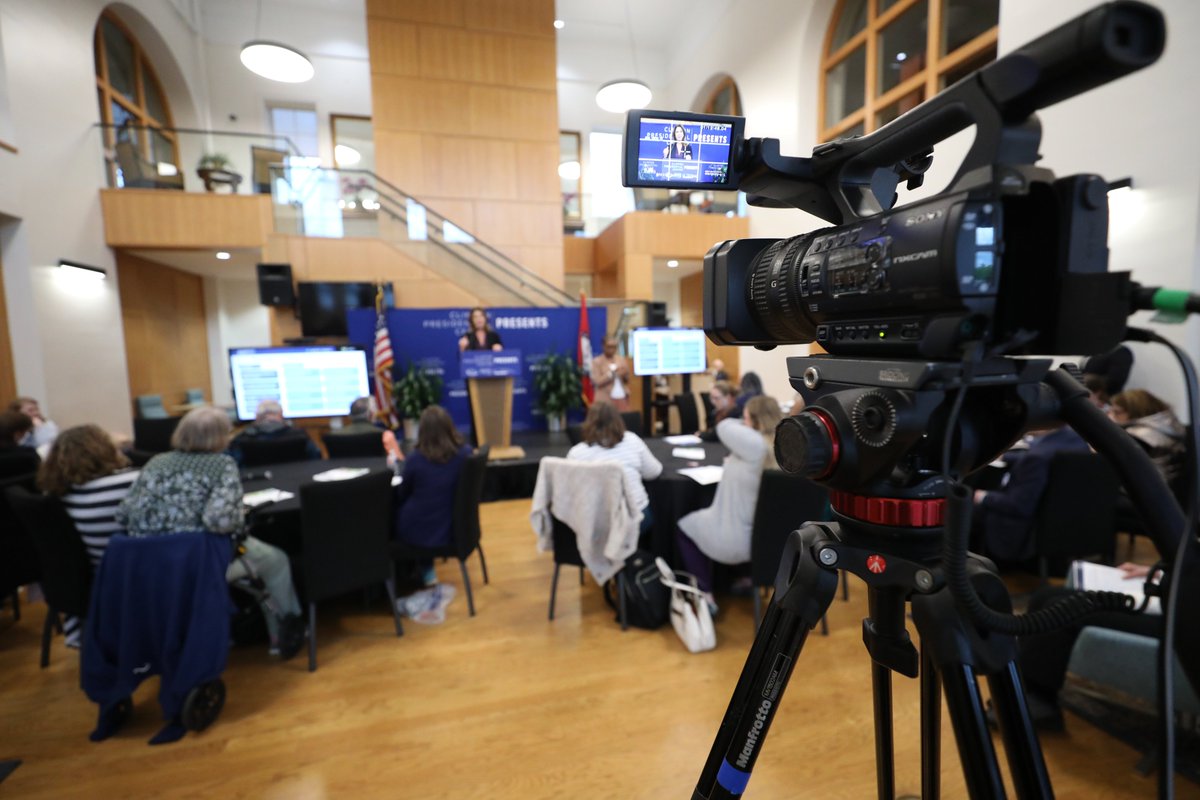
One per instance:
(704,475)
(685,439)
(690,453)
(340,473)
(264,496)
(1103,578)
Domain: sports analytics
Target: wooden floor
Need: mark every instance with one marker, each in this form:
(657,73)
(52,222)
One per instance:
(505,704)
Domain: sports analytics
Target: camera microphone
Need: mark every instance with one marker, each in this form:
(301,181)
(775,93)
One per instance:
(1158,298)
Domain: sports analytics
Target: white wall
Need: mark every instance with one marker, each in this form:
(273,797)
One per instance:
(235,318)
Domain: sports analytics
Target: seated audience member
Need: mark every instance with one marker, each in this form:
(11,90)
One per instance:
(605,439)
(1003,521)
(722,531)
(196,487)
(14,459)
(724,401)
(44,430)
(425,501)
(85,469)
(359,420)
(269,424)
(717,370)
(751,386)
(1160,433)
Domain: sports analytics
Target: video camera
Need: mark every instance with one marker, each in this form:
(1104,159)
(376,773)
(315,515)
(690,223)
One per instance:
(1008,256)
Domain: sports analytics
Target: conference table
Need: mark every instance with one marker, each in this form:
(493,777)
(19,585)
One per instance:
(673,495)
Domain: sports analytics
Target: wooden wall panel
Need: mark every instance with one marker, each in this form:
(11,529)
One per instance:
(579,255)
(8,378)
(166,336)
(691,312)
(157,218)
(474,132)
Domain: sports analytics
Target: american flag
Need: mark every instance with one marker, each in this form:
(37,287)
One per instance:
(384,360)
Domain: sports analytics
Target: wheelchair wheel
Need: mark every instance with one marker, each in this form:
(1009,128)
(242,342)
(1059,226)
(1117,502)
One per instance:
(203,705)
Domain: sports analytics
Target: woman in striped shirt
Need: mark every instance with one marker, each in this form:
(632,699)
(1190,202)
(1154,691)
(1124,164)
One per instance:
(606,439)
(92,477)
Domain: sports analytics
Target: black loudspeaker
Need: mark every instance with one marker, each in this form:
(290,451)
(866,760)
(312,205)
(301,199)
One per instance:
(275,285)
(656,315)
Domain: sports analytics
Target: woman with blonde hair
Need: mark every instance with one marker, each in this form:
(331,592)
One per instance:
(721,532)
(197,487)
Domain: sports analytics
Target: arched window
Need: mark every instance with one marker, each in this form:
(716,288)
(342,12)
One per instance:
(131,98)
(724,99)
(884,57)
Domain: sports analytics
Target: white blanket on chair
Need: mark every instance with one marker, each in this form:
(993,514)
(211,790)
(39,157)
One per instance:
(595,501)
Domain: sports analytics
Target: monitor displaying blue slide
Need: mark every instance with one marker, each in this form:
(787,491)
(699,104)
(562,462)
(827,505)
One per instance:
(685,152)
(319,381)
(668,351)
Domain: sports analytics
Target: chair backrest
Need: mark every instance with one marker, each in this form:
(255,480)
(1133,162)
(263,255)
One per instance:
(709,411)
(465,531)
(66,572)
(130,162)
(153,435)
(1076,515)
(18,462)
(193,396)
(354,445)
(150,406)
(633,421)
(345,527)
(575,434)
(264,452)
(566,543)
(19,562)
(590,473)
(689,416)
(785,502)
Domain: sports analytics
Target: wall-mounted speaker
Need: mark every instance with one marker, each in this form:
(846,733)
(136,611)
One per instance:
(275,285)
(656,315)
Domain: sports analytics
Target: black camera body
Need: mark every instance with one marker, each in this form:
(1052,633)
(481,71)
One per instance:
(1009,256)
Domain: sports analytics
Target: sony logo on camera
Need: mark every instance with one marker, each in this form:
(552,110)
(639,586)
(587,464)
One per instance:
(928,216)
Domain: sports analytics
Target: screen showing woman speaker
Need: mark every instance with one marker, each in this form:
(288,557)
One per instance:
(668,351)
(681,151)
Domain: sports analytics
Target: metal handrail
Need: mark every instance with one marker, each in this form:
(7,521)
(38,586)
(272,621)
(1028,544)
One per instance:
(204,131)
(524,277)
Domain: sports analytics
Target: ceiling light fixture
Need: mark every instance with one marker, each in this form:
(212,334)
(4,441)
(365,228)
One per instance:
(78,270)
(672,264)
(569,170)
(621,95)
(346,156)
(275,61)
(559,24)
(223,256)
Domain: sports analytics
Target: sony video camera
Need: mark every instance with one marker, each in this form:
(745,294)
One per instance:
(1009,256)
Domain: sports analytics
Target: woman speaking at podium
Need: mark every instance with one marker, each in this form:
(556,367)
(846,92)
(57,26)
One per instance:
(479,335)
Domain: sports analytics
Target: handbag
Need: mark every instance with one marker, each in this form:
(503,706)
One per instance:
(690,615)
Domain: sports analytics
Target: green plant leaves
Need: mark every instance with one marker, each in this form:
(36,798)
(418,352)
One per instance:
(558,380)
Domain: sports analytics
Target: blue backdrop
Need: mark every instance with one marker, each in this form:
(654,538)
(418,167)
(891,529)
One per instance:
(429,337)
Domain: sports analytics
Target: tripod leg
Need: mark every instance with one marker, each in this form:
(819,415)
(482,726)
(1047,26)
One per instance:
(975,748)
(931,728)
(884,627)
(885,766)
(1025,760)
(803,591)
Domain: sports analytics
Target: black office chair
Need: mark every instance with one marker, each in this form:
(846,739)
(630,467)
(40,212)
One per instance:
(633,421)
(1076,515)
(19,564)
(354,445)
(566,553)
(785,502)
(710,412)
(153,434)
(689,416)
(345,527)
(66,572)
(264,452)
(465,531)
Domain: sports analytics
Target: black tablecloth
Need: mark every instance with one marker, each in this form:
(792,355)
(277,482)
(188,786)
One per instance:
(279,523)
(673,495)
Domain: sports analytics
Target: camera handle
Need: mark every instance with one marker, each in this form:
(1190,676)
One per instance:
(953,654)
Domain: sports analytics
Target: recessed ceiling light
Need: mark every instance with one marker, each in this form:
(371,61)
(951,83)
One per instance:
(276,62)
(559,24)
(672,263)
(223,256)
(346,156)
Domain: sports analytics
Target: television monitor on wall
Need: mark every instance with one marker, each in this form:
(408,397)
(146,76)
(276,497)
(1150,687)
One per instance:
(323,306)
(318,381)
(668,351)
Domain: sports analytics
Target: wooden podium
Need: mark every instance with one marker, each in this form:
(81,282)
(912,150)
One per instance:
(489,375)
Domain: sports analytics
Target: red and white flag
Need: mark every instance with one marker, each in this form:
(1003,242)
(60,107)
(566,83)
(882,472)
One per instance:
(584,353)
(385,408)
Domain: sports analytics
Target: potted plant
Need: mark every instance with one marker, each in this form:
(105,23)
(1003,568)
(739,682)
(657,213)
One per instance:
(214,168)
(559,384)
(413,392)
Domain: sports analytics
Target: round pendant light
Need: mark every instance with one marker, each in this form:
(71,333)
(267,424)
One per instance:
(276,62)
(620,96)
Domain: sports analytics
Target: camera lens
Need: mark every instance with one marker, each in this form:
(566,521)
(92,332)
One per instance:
(774,289)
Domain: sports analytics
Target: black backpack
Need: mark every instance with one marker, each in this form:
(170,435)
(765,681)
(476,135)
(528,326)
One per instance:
(647,600)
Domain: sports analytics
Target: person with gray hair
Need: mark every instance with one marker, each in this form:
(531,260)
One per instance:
(197,487)
(269,424)
(359,420)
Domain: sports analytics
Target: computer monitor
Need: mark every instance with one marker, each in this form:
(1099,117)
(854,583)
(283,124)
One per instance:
(668,351)
(318,381)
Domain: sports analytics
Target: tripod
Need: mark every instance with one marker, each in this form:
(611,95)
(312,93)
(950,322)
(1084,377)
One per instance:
(901,525)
